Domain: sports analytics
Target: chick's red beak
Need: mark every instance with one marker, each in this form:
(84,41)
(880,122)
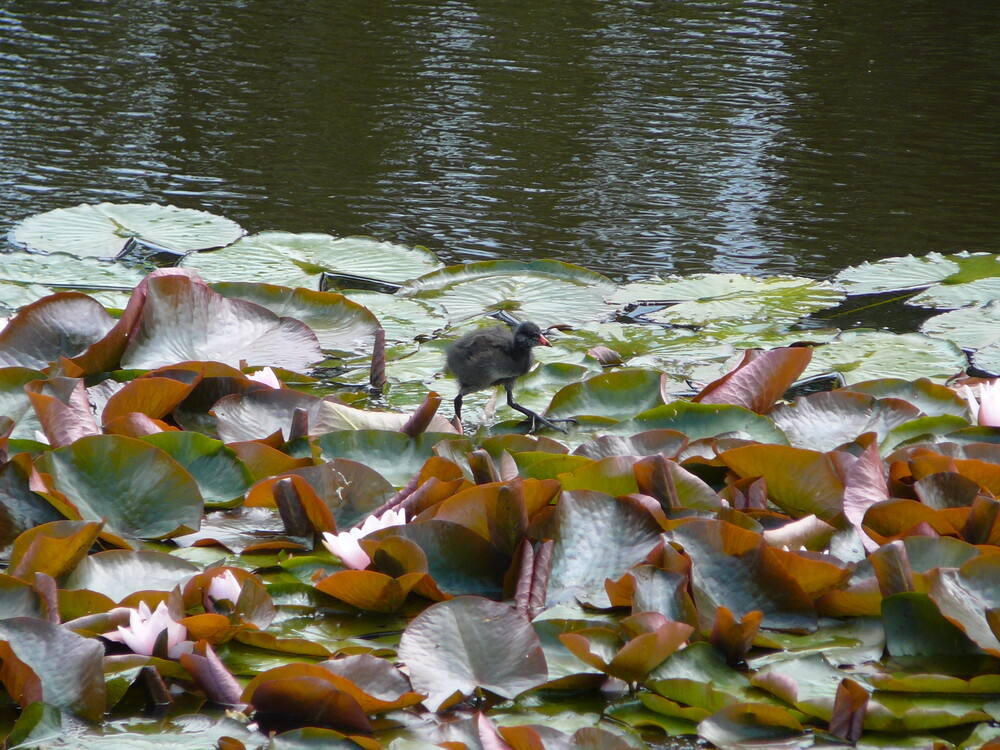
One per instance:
(542,341)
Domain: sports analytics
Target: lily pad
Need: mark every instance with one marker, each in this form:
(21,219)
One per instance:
(619,395)
(971,327)
(862,354)
(61,325)
(221,476)
(49,663)
(544,291)
(468,643)
(298,259)
(103,230)
(704,299)
(136,488)
(183,320)
(896,274)
(338,323)
(120,573)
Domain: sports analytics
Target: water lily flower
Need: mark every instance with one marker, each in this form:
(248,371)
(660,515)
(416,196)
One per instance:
(985,411)
(265,376)
(144,631)
(225,587)
(345,544)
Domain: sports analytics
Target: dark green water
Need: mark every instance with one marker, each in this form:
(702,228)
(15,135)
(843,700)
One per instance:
(630,137)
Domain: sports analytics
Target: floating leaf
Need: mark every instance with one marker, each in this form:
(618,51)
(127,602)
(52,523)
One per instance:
(120,573)
(748,724)
(544,291)
(183,320)
(468,643)
(619,395)
(896,274)
(579,567)
(45,662)
(103,230)
(704,299)
(298,259)
(824,421)
(137,489)
(861,355)
(338,323)
(62,325)
(702,421)
(972,327)
(222,478)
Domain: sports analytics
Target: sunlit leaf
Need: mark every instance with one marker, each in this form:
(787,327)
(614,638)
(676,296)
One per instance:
(183,320)
(298,259)
(102,230)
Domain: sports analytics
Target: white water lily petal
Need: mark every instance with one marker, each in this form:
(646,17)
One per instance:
(345,544)
(265,376)
(225,586)
(144,629)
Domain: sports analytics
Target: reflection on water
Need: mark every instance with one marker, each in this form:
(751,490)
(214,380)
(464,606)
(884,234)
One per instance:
(630,137)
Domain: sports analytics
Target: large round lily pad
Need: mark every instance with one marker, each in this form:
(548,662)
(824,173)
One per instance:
(896,274)
(862,354)
(970,327)
(183,320)
(298,259)
(338,323)
(545,291)
(709,298)
(468,643)
(138,490)
(103,230)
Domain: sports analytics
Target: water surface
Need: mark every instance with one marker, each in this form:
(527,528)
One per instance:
(630,137)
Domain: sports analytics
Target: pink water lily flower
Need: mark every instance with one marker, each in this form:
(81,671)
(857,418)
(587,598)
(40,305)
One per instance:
(144,630)
(345,544)
(225,587)
(985,411)
(265,376)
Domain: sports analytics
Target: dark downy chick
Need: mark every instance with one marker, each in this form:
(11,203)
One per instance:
(496,356)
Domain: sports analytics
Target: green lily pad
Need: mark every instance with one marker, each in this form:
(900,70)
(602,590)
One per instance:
(46,662)
(619,395)
(863,354)
(120,573)
(545,291)
(221,476)
(339,324)
(103,230)
(953,296)
(137,489)
(703,421)
(579,566)
(392,454)
(988,358)
(403,318)
(704,299)
(298,259)
(717,548)
(932,399)
(896,274)
(61,271)
(971,327)
(470,643)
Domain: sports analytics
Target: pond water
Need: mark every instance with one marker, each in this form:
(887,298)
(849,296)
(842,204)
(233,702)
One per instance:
(629,137)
